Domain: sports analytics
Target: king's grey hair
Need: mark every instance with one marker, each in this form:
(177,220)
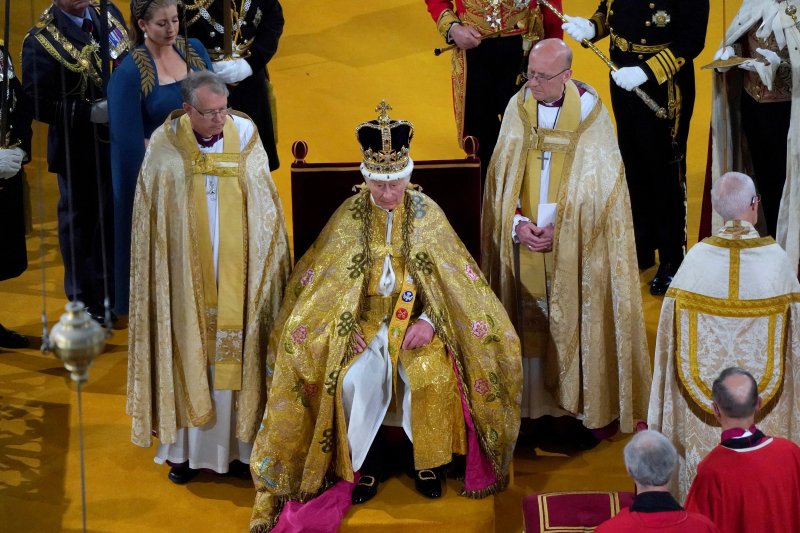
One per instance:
(650,458)
(201,78)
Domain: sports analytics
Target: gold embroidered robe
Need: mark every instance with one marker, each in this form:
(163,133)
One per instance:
(734,302)
(168,379)
(596,362)
(302,444)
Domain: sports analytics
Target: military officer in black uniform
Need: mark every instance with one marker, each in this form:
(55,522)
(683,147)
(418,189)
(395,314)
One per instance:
(654,44)
(257,27)
(15,150)
(64,86)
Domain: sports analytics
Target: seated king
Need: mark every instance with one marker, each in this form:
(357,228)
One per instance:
(386,321)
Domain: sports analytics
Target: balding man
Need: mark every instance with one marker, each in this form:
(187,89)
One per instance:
(558,248)
(750,481)
(734,302)
(651,459)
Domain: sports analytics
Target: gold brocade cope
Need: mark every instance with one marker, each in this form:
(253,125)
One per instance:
(596,360)
(224,292)
(536,267)
(331,298)
(169,386)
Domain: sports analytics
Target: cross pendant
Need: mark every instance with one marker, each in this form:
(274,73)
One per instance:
(543,158)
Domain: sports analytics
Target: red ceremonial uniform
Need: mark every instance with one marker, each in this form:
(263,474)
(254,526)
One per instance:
(750,489)
(487,76)
(664,522)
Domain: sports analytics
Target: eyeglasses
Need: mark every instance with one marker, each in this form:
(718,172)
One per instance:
(755,199)
(212,113)
(541,78)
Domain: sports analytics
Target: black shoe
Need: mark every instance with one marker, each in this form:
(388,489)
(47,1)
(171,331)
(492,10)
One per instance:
(365,489)
(662,279)
(181,474)
(582,438)
(428,484)
(240,470)
(100,318)
(12,339)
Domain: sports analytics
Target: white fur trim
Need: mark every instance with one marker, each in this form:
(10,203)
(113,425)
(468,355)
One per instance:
(403,174)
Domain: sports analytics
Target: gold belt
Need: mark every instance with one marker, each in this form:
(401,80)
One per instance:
(625,45)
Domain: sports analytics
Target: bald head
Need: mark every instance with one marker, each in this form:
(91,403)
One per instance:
(549,71)
(732,197)
(556,49)
(735,393)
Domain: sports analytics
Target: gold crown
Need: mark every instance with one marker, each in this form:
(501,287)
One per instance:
(385,142)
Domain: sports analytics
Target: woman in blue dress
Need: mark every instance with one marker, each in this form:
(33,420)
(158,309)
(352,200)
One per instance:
(143,90)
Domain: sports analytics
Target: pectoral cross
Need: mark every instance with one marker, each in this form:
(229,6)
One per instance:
(543,158)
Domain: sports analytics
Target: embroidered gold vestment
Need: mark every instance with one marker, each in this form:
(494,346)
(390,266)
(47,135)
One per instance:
(734,302)
(172,329)
(596,361)
(302,445)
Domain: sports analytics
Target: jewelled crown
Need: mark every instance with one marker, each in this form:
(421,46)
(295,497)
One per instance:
(384,146)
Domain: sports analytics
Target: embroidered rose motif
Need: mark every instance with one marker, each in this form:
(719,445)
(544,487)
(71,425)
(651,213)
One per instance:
(401,314)
(310,389)
(480,329)
(307,278)
(481,386)
(299,334)
(469,272)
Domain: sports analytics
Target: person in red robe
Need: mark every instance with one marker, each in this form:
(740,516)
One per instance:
(651,460)
(749,482)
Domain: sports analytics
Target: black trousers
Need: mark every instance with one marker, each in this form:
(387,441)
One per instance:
(12,227)
(492,71)
(87,275)
(655,166)
(766,128)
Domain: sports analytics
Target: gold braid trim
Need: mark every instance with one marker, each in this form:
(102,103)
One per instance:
(446,19)
(601,25)
(362,209)
(147,74)
(732,308)
(665,65)
(495,488)
(189,54)
(739,243)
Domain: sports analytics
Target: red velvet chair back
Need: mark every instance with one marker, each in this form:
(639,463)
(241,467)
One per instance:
(319,188)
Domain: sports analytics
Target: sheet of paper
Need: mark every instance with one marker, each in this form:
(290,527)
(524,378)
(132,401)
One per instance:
(546,215)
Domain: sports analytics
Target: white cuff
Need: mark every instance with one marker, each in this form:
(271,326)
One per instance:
(424,317)
(517,219)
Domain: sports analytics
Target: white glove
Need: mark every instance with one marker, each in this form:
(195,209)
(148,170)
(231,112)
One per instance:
(722,54)
(578,28)
(765,71)
(10,162)
(233,70)
(99,114)
(629,78)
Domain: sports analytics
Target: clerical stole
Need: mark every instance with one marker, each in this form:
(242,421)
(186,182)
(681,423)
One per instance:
(223,290)
(535,268)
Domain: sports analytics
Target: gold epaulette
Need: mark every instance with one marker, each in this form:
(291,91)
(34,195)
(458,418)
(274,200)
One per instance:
(446,19)
(665,65)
